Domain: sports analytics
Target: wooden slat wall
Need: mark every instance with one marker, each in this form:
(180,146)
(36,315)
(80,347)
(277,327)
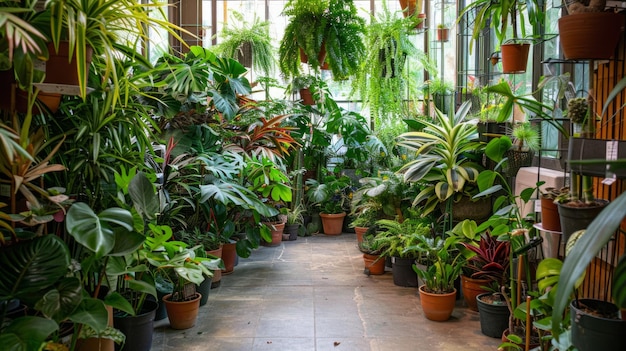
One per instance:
(611,127)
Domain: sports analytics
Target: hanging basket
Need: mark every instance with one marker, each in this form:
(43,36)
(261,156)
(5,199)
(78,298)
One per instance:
(514,57)
(590,35)
(244,54)
(516,160)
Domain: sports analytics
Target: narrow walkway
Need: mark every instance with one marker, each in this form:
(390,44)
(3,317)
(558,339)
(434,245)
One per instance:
(311,294)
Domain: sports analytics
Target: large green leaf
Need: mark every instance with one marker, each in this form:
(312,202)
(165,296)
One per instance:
(26,333)
(145,199)
(91,312)
(31,267)
(59,303)
(96,232)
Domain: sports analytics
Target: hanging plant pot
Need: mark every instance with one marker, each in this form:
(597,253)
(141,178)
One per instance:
(514,57)
(321,56)
(411,7)
(307,97)
(59,68)
(516,160)
(244,54)
(590,35)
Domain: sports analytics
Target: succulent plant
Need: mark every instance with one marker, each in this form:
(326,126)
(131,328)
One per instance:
(577,109)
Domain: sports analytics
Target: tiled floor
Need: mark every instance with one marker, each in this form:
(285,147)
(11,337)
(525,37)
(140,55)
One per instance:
(312,294)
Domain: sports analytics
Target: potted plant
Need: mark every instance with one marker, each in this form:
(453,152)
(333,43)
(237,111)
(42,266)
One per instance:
(295,220)
(249,43)
(525,141)
(319,27)
(504,15)
(451,177)
(549,211)
(373,259)
(330,196)
(442,95)
(438,294)
(399,241)
(382,84)
(597,30)
(443,32)
(308,87)
(490,263)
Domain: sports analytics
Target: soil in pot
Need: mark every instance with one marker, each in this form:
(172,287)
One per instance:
(494,314)
(535,342)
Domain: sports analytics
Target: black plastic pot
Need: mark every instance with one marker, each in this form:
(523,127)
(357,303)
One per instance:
(403,273)
(591,332)
(494,319)
(292,230)
(138,329)
(577,218)
(204,289)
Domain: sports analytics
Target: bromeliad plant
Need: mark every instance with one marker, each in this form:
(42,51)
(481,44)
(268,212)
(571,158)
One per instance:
(490,260)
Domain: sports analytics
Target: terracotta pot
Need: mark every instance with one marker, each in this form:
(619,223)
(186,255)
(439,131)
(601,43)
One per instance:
(229,255)
(217,274)
(95,344)
(472,288)
(332,223)
(437,307)
(360,232)
(422,18)
(277,229)
(374,264)
(514,57)
(443,34)
(550,215)
(321,56)
(307,97)
(8,83)
(182,315)
(59,68)
(590,35)
(409,7)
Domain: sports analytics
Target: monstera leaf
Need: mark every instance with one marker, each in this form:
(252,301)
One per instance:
(30,268)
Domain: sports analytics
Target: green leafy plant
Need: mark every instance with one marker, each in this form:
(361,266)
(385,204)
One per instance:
(398,238)
(383,82)
(439,162)
(317,24)
(255,34)
(445,265)
(330,195)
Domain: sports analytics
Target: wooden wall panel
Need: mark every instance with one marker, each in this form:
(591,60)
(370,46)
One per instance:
(611,126)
